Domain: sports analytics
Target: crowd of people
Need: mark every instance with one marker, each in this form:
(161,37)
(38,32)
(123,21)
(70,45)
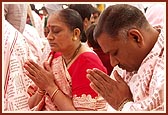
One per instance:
(79,58)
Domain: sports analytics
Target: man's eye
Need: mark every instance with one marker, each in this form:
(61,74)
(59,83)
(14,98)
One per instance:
(114,53)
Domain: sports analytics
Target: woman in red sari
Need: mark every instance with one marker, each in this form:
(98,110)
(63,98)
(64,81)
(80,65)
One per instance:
(61,83)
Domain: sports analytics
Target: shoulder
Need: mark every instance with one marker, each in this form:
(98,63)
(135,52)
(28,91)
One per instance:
(90,60)
(88,56)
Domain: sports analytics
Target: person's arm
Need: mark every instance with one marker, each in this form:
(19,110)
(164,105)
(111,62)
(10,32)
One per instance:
(36,98)
(44,79)
(63,102)
(120,98)
(115,92)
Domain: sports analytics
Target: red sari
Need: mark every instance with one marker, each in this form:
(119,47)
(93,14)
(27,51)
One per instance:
(73,83)
(77,71)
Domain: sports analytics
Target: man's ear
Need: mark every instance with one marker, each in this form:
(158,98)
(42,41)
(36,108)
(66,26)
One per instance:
(136,36)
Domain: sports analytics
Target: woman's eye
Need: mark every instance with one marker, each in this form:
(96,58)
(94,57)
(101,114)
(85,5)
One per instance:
(46,30)
(56,31)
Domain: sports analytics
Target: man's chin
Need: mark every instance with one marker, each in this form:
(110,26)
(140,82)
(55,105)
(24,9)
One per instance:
(128,69)
(131,70)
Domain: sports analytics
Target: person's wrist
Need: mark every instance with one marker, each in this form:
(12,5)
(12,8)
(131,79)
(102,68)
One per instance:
(55,92)
(50,89)
(123,103)
(41,92)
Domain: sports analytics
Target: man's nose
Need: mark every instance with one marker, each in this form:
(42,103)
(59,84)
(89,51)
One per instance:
(113,61)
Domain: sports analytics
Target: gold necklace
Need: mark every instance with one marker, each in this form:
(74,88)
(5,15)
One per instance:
(73,56)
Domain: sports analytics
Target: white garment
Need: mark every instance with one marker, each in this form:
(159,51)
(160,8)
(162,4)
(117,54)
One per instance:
(38,24)
(16,15)
(34,41)
(16,52)
(155,15)
(147,84)
(53,7)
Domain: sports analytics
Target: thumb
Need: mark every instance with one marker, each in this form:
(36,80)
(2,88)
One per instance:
(47,66)
(117,76)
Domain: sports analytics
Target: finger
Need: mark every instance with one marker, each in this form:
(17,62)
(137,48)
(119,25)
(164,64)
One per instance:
(103,75)
(34,68)
(98,86)
(33,87)
(47,66)
(96,89)
(30,91)
(100,81)
(95,78)
(29,69)
(34,65)
(118,77)
(30,76)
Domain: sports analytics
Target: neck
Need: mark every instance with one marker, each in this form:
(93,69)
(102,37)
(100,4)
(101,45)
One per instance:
(153,37)
(150,40)
(68,58)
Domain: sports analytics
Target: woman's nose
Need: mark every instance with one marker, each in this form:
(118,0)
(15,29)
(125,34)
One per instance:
(49,36)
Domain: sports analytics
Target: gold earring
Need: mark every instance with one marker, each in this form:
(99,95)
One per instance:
(74,38)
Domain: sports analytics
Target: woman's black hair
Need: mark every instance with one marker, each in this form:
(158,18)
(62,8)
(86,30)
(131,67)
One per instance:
(73,20)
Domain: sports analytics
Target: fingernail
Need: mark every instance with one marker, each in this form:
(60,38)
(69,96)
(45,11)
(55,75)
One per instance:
(87,70)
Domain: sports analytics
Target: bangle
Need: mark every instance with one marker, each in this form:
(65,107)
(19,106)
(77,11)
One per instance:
(41,92)
(54,93)
(122,104)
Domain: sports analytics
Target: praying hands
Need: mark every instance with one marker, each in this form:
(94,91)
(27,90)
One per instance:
(116,92)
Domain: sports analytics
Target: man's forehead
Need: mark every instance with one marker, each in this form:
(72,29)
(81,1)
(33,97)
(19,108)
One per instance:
(107,43)
(104,42)
(103,37)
